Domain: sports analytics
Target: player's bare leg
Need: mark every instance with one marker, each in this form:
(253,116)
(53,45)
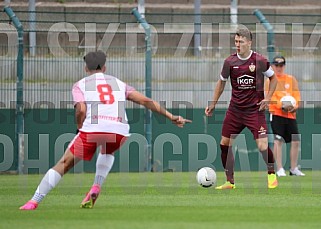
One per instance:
(66,162)
(294,154)
(277,150)
(51,179)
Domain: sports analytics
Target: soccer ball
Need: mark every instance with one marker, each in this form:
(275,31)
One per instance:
(206,177)
(288,102)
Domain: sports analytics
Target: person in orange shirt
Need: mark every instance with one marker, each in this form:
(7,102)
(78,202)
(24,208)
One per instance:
(283,117)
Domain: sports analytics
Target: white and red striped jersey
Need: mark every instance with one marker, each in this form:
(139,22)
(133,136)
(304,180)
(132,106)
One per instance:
(105,97)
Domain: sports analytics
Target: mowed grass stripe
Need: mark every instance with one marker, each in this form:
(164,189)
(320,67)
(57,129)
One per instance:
(165,200)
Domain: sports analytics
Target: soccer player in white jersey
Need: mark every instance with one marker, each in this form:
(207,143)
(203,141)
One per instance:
(101,120)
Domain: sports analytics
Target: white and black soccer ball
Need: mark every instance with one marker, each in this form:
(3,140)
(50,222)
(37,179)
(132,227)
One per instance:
(288,102)
(206,177)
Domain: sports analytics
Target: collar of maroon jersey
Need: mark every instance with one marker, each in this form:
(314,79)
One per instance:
(246,58)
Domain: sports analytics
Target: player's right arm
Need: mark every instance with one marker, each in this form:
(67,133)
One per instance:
(219,88)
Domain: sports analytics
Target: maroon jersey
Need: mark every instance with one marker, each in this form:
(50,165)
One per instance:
(247,80)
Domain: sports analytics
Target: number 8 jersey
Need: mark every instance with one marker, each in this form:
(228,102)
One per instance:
(105,98)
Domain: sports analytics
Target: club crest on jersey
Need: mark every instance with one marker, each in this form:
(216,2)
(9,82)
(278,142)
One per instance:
(252,67)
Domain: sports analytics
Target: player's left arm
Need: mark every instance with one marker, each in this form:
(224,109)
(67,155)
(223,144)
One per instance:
(79,105)
(154,106)
(272,87)
(80,113)
(264,104)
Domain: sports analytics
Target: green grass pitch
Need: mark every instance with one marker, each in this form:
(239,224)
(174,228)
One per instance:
(165,200)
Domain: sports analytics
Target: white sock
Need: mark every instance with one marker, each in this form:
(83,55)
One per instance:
(48,182)
(104,164)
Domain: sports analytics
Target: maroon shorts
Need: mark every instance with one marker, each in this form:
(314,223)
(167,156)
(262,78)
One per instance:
(84,145)
(235,122)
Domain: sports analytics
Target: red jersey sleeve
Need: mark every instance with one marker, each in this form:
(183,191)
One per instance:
(265,64)
(225,73)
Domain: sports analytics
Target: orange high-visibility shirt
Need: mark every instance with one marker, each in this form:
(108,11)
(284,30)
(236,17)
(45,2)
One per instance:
(287,85)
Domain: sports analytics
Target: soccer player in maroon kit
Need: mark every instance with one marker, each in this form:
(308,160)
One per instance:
(246,70)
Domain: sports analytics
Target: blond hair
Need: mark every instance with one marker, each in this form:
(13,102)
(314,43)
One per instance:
(244,32)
